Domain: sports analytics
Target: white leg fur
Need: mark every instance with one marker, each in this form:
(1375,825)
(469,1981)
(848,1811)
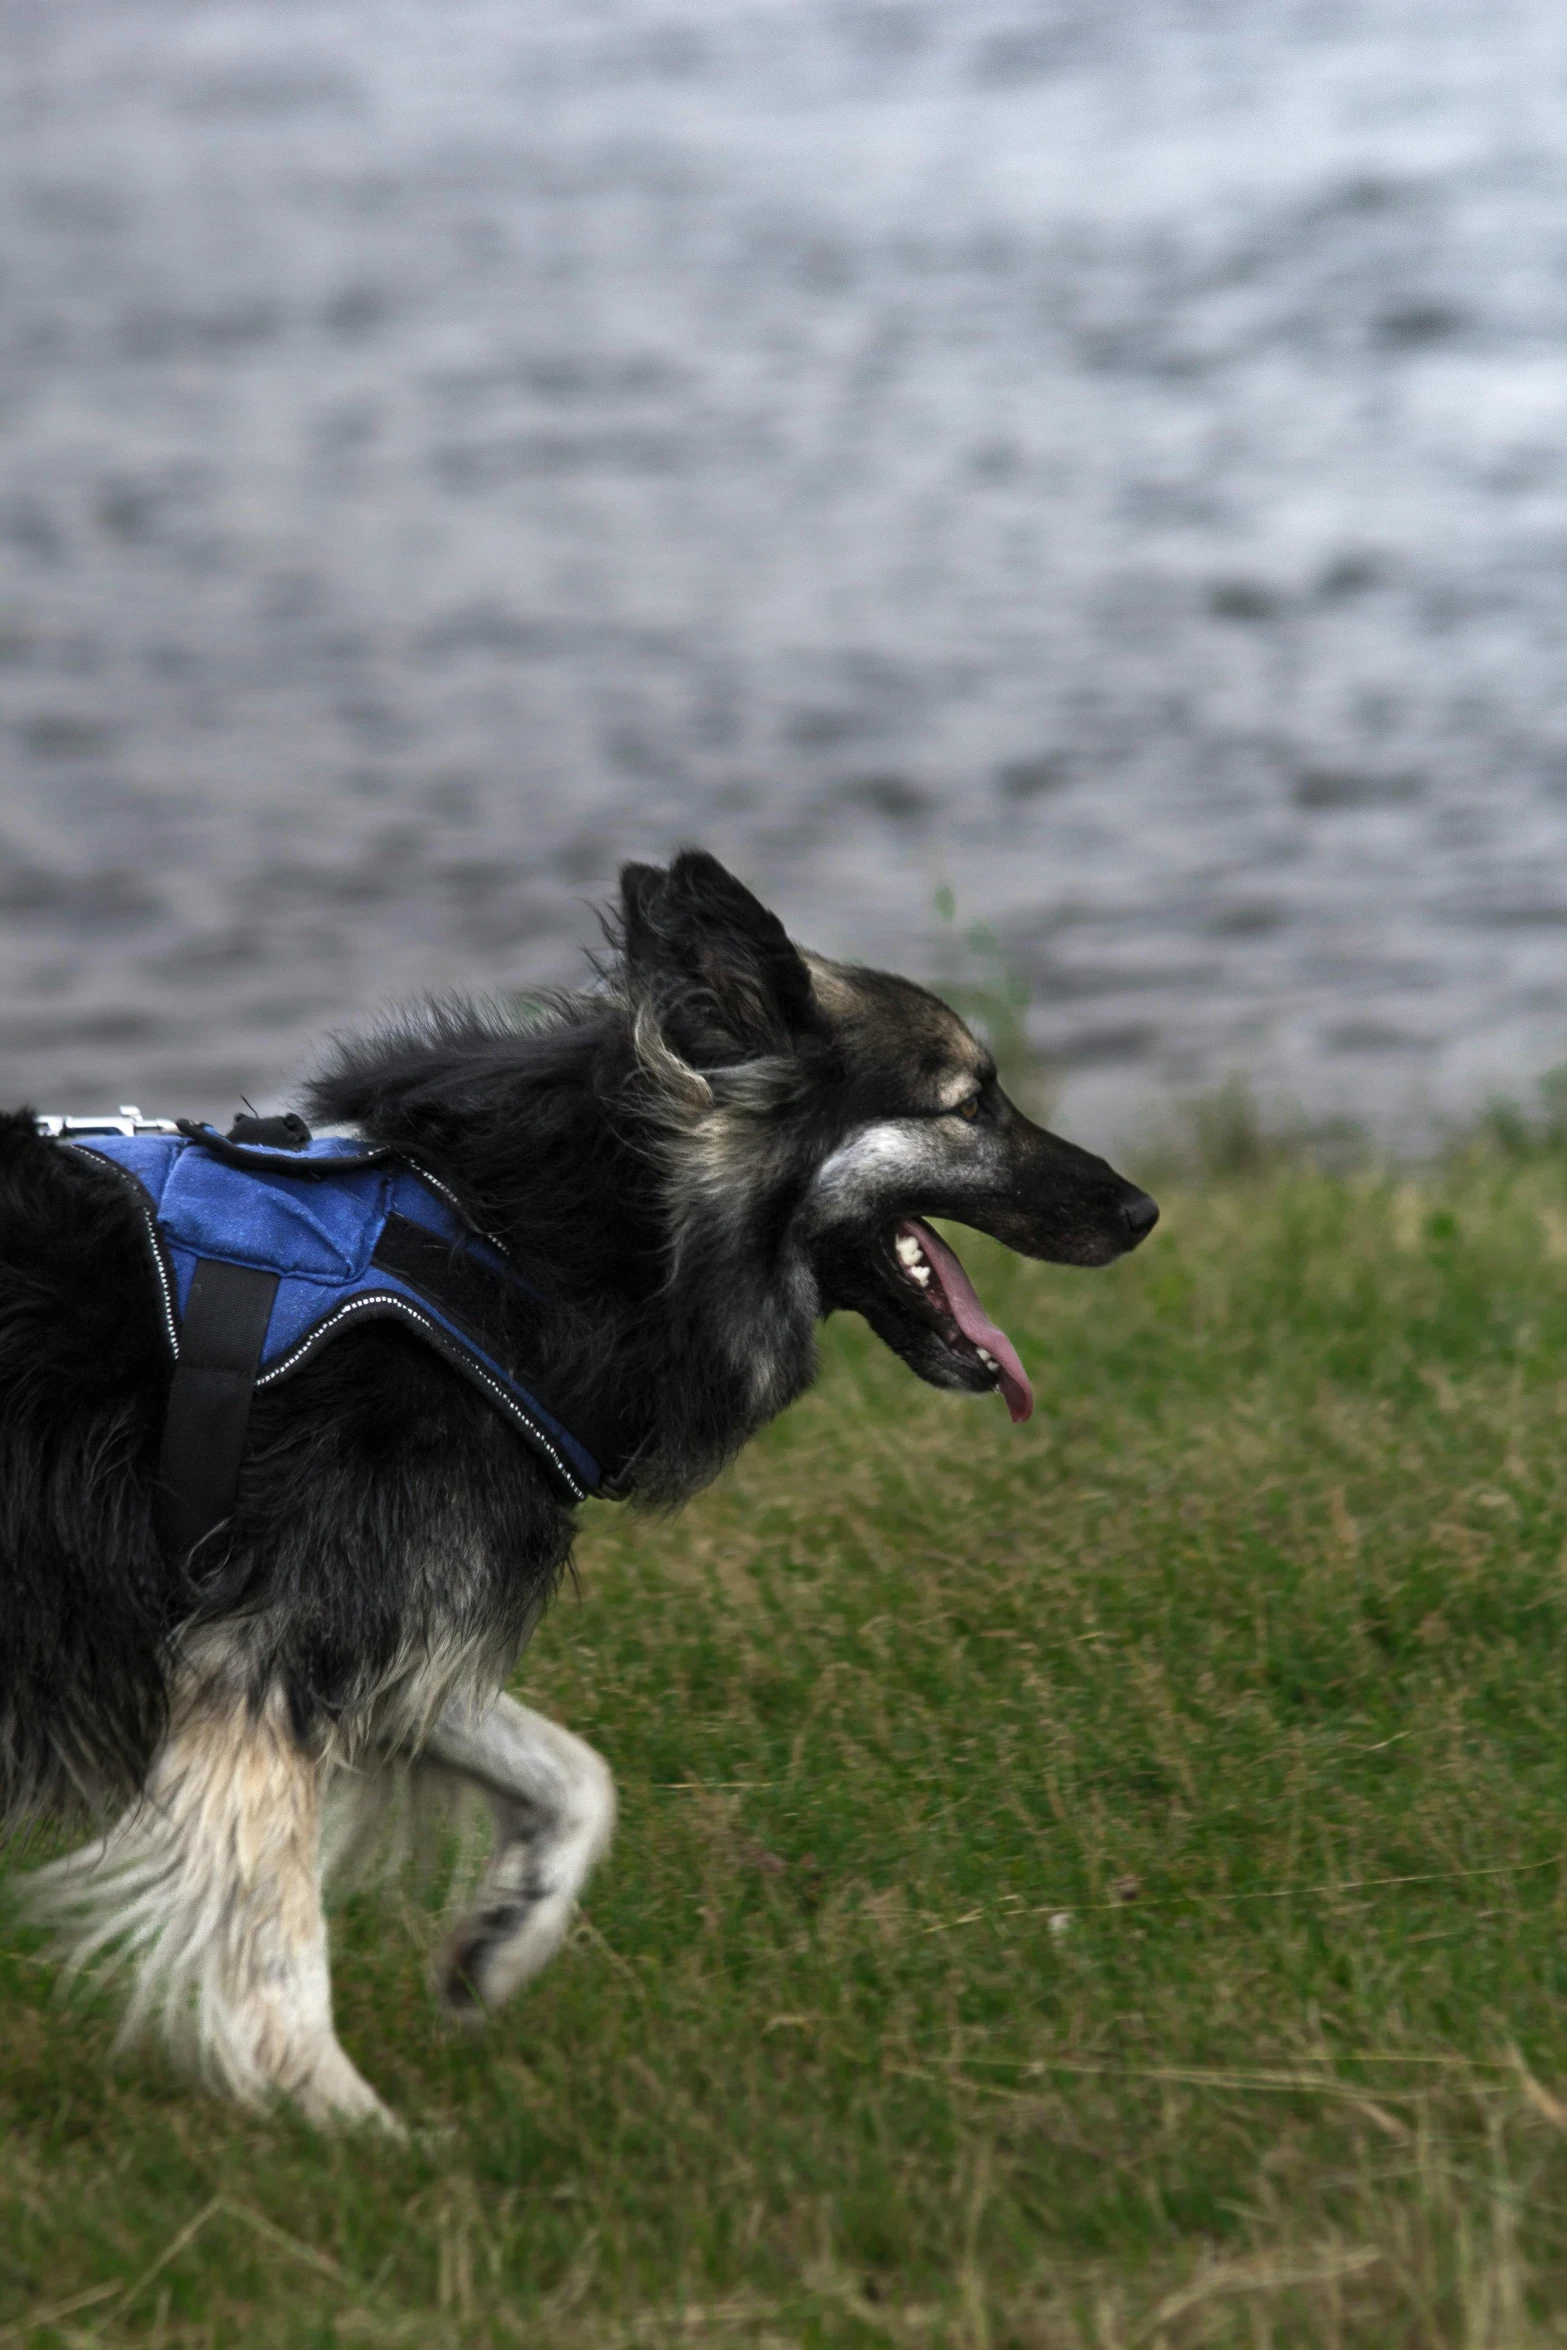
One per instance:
(209,1892)
(553,1802)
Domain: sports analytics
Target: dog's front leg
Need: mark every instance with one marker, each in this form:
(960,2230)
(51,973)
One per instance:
(553,1802)
(208,1891)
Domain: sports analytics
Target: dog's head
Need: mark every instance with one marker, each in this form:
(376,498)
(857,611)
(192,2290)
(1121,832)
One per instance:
(833,1110)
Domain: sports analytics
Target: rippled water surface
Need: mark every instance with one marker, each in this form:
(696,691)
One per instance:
(1108,457)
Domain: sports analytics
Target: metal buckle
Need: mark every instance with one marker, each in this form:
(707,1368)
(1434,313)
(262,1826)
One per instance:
(128,1121)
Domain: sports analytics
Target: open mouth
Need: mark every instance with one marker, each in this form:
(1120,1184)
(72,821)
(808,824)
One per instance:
(931,1268)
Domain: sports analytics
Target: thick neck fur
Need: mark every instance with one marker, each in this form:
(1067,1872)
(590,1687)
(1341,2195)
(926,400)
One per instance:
(643,1201)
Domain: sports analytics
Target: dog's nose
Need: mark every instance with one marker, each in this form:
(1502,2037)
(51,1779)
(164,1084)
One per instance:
(1140,1214)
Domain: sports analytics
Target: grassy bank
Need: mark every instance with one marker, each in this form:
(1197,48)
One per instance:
(1091,1885)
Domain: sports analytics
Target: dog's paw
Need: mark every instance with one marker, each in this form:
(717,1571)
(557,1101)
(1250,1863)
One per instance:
(464,1964)
(333,2095)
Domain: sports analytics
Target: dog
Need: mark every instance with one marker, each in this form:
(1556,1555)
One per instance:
(680,1170)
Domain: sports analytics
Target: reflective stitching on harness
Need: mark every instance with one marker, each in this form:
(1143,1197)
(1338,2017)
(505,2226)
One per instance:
(455,1204)
(165,1283)
(171,1326)
(381,1302)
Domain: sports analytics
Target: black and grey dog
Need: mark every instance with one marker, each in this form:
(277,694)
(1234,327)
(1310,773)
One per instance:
(690,1164)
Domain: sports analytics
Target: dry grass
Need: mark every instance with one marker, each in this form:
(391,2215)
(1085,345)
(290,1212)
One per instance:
(1083,1887)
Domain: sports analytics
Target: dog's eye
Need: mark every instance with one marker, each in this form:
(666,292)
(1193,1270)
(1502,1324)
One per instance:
(970,1108)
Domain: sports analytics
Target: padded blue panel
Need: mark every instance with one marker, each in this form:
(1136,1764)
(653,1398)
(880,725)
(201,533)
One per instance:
(314,1217)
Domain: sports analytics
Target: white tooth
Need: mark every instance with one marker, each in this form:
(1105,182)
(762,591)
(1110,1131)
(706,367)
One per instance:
(912,1258)
(987,1359)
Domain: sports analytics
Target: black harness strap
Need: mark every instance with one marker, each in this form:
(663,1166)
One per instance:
(223,1333)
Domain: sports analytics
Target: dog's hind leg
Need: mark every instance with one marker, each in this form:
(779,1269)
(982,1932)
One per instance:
(553,1802)
(208,1893)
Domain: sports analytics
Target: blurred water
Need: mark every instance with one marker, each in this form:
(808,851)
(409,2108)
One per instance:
(1106,455)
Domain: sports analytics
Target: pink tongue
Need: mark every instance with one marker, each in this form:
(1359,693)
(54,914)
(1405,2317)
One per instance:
(971,1318)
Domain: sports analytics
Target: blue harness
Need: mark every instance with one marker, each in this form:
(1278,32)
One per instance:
(264,1255)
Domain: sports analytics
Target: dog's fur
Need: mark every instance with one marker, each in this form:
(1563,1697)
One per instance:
(693,1163)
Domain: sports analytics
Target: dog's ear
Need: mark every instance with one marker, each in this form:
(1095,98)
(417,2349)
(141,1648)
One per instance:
(716,966)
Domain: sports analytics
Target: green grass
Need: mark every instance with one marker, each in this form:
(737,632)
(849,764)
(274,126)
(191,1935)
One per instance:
(1245,1660)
